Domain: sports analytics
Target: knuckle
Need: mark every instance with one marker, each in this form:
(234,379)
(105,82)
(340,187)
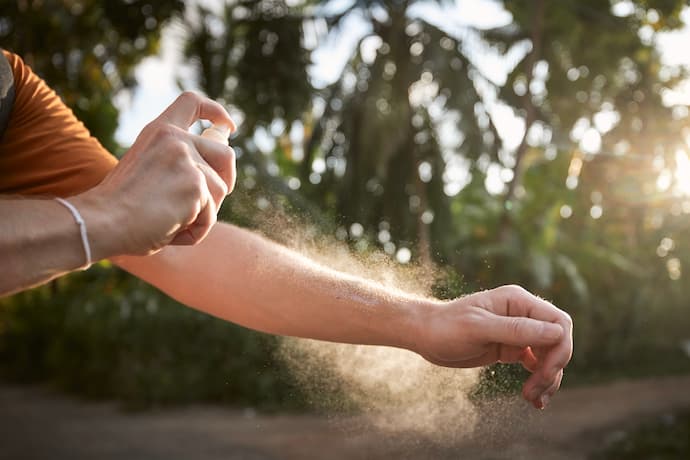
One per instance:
(567,319)
(517,289)
(163,134)
(157,128)
(190,96)
(563,362)
(172,132)
(218,189)
(191,184)
(564,357)
(198,182)
(472,318)
(178,150)
(513,290)
(151,130)
(154,125)
(472,322)
(549,374)
(515,327)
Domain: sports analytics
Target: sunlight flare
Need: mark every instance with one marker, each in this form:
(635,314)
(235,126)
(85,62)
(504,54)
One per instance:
(682,173)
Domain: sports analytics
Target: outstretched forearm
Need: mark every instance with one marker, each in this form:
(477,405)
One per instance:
(40,240)
(239,276)
(244,278)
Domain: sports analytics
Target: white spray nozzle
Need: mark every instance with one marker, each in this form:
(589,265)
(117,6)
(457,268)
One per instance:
(219,133)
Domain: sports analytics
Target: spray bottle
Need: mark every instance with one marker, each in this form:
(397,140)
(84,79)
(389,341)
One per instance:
(219,133)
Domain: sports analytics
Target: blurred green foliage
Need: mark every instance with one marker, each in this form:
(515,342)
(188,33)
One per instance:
(108,335)
(86,49)
(404,150)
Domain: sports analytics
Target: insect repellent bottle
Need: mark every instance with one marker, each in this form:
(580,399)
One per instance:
(218,133)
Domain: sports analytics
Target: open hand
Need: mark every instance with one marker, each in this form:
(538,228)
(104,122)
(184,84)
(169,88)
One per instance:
(507,325)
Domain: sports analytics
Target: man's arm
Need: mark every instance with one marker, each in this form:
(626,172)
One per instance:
(241,277)
(39,240)
(166,190)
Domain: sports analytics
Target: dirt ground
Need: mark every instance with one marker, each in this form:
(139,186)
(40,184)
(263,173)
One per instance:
(36,423)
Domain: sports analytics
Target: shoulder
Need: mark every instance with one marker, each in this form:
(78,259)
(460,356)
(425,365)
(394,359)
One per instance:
(46,149)
(19,69)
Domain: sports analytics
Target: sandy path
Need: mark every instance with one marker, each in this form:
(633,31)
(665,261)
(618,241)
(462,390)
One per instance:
(38,424)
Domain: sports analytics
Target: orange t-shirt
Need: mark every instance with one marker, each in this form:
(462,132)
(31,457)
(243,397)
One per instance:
(45,150)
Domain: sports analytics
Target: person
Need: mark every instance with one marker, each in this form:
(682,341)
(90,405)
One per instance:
(65,202)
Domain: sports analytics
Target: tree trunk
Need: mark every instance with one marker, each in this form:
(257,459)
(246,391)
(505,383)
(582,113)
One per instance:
(530,110)
(528,104)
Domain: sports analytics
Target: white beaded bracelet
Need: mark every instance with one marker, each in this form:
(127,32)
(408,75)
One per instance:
(82,230)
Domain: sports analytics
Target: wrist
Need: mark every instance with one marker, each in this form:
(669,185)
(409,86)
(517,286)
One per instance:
(100,222)
(415,323)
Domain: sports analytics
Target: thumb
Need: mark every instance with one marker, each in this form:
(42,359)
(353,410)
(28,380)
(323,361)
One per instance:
(521,332)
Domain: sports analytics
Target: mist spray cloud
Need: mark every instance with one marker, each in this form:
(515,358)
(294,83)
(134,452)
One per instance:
(396,390)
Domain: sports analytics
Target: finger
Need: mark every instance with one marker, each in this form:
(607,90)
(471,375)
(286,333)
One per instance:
(198,229)
(541,401)
(551,365)
(541,381)
(207,218)
(548,394)
(202,222)
(519,302)
(183,238)
(219,156)
(522,355)
(216,186)
(520,332)
(528,360)
(190,107)
(540,354)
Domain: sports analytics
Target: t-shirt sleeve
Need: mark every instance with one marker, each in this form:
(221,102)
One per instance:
(45,150)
